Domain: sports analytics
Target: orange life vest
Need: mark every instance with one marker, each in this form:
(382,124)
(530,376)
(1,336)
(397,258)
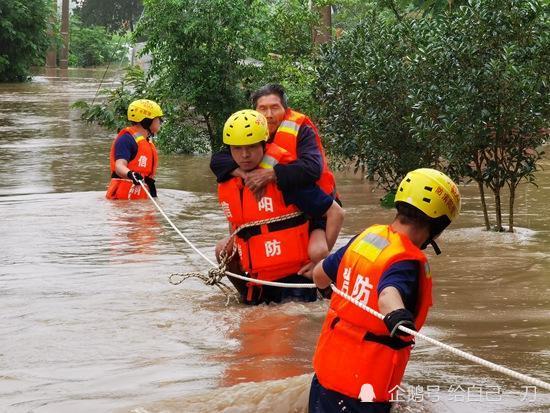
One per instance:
(269,251)
(145,162)
(286,137)
(355,355)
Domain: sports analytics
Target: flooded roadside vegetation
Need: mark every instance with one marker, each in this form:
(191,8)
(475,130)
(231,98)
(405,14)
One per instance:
(91,323)
(411,97)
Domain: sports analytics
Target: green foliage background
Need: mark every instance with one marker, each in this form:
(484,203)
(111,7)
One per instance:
(465,90)
(114,15)
(94,45)
(457,85)
(23,37)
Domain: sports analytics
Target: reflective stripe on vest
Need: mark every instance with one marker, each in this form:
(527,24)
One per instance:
(354,351)
(371,245)
(274,155)
(286,137)
(268,162)
(289,126)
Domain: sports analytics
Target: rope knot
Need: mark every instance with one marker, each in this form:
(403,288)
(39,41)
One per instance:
(215,275)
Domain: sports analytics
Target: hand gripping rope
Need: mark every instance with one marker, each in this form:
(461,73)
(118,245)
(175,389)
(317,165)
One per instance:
(463,354)
(453,350)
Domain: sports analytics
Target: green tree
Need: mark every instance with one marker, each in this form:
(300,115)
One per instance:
(286,51)
(116,15)
(179,133)
(111,112)
(348,13)
(498,93)
(209,55)
(366,84)
(23,37)
(288,26)
(466,91)
(93,45)
(200,49)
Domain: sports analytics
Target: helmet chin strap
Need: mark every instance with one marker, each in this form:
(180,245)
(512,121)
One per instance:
(433,244)
(435,247)
(148,129)
(435,231)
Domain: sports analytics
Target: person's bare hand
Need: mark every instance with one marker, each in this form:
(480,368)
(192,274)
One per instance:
(257,180)
(239,173)
(259,194)
(307,270)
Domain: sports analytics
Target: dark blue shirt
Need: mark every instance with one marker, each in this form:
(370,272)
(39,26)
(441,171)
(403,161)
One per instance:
(403,275)
(126,147)
(304,171)
(311,200)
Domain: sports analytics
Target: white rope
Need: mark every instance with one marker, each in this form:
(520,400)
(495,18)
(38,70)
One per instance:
(467,356)
(212,263)
(463,354)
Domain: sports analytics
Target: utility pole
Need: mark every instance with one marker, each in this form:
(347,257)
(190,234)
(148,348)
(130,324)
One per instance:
(51,54)
(64,58)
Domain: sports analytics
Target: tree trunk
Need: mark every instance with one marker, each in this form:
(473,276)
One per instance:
(484,205)
(131,22)
(498,211)
(323,33)
(393,7)
(211,135)
(479,179)
(512,199)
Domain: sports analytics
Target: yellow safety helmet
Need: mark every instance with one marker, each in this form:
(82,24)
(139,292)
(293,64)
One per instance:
(431,191)
(143,109)
(245,127)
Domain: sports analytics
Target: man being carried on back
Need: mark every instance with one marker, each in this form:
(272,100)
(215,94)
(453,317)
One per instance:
(306,166)
(277,251)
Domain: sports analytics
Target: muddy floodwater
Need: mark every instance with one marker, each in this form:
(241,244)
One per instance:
(90,323)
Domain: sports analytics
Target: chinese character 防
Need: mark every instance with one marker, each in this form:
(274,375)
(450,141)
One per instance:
(272,248)
(361,289)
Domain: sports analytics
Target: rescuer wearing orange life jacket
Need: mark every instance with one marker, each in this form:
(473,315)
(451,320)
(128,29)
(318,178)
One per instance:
(360,360)
(296,133)
(278,250)
(133,156)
